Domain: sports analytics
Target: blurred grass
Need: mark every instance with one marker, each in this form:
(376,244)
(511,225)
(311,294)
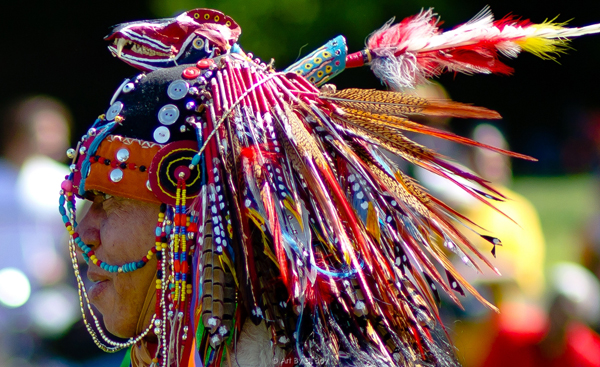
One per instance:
(565,204)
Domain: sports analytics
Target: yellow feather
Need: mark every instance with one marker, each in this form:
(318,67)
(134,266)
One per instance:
(542,46)
(373,223)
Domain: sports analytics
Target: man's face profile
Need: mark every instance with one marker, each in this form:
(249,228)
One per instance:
(120,231)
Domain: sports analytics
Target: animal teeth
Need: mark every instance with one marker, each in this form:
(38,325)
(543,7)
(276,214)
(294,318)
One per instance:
(136,48)
(121,42)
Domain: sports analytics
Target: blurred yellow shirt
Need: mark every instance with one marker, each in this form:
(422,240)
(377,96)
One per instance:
(521,256)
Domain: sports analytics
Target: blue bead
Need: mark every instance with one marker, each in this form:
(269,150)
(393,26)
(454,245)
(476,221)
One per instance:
(196,159)
(158,231)
(168,229)
(61,210)
(115,269)
(86,258)
(65,219)
(140,264)
(70,205)
(61,200)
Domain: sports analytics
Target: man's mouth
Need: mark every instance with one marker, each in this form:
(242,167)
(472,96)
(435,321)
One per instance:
(96,289)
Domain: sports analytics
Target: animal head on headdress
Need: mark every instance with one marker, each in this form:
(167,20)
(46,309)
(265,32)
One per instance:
(189,37)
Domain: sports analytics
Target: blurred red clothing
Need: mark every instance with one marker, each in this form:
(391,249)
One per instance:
(525,345)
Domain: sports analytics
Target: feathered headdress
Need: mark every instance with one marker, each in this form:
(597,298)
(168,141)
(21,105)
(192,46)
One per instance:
(281,204)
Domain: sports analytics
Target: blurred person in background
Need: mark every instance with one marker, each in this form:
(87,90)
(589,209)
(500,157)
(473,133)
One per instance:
(34,299)
(518,292)
(535,327)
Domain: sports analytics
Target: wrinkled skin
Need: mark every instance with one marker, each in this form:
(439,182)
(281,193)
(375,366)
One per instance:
(120,231)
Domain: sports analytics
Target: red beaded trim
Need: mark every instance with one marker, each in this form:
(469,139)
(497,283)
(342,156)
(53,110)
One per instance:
(115,163)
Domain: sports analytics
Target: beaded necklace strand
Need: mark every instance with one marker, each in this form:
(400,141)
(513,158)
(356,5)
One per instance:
(171,318)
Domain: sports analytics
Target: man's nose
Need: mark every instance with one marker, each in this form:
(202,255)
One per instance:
(88,227)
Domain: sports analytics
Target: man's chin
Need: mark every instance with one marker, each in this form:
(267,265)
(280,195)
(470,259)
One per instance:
(118,329)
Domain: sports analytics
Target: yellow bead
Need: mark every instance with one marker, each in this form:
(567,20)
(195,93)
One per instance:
(71,232)
(69,228)
(95,261)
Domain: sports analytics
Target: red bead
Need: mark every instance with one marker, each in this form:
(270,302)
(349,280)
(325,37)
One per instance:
(184,267)
(114,163)
(182,172)
(191,73)
(177,219)
(205,63)
(176,265)
(91,253)
(93,159)
(153,250)
(192,228)
(131,165)
(67,224)
(145,259)
(158,239)
(100,262)
(75,235)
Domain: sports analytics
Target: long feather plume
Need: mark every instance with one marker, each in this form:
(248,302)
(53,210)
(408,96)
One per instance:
(408,53)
